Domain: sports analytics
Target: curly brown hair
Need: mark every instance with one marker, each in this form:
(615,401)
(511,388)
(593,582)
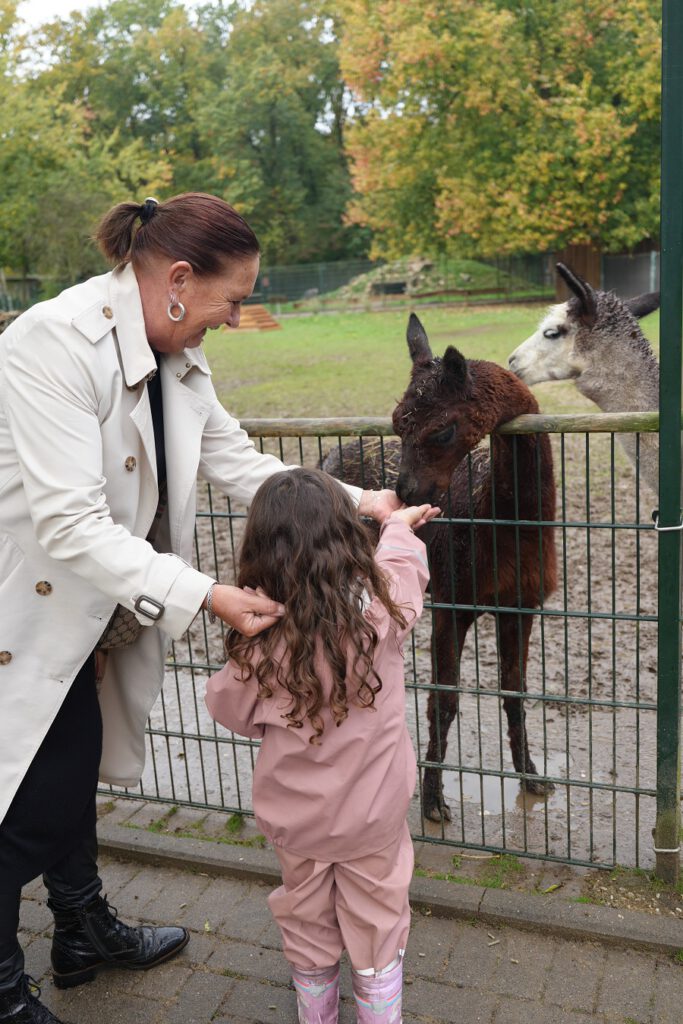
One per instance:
(306,547)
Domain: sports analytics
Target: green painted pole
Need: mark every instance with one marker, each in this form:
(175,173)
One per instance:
(668,823)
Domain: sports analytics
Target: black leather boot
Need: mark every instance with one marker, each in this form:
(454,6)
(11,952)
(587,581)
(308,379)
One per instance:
(19,1005)
(92,936)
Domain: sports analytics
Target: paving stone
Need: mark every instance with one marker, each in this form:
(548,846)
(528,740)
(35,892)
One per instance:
(185,819)
(575,974)
(260,1004)
(628,985)
(250,919)
(347,1011)
(146,815)
(239,958)
(142,889)
(124,810)
(199,1000)
(34,890)
(99,1000)
(483,958)
(116,874)
(35,917)
(518,964)
(271,938)
(429,945)
(37,956)
(180,890)
(668,993)
(218,902)
(104,806)
(199,949)
(518,1011)
(162,982)
(447,1004)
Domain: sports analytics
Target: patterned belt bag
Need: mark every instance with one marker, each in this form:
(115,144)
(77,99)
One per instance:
(124,627)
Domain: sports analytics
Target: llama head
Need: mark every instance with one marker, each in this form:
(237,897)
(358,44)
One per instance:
(450,405)
(576,339)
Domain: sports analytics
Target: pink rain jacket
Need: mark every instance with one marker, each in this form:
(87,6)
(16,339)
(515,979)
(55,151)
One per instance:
(349,795)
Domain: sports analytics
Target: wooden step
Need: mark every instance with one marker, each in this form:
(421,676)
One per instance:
(256,318)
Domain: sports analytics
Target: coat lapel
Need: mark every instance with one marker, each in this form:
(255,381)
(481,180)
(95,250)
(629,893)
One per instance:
(138,363)
(137,358)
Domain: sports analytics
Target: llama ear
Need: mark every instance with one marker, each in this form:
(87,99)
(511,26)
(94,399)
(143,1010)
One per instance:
(588,310)
(641,305)
(455,367)
(418,345)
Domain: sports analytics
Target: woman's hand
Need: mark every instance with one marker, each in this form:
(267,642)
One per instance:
(417,515)
(379,504)
(248,611)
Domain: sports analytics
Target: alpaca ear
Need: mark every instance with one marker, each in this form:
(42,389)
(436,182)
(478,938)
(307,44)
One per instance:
(641,305)
(455,368)
(418,345)
(588,310)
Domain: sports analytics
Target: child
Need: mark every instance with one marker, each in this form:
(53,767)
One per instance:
(323,689)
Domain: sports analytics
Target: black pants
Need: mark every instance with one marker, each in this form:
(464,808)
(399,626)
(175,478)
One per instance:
(49,828)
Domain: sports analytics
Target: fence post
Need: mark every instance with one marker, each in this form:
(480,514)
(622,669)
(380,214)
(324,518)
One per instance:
(668,822)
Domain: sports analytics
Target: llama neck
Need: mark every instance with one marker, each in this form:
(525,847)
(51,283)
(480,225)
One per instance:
(516,472)
(629,383)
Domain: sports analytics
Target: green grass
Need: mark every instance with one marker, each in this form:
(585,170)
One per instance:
(195,830)
(357,364)
(497,873)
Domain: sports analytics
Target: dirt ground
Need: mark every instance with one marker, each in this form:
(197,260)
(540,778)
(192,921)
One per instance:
(591,684)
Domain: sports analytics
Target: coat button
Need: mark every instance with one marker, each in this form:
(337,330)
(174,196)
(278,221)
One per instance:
(108,312)
(188,366)
(130,463)
(178,375)
(5,657)
(43,588)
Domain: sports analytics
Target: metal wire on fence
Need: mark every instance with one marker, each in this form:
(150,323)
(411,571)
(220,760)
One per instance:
(591,674)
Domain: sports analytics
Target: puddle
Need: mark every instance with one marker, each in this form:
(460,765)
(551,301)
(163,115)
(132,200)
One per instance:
(491,793)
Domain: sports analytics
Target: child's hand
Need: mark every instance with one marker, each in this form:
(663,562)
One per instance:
(416,515)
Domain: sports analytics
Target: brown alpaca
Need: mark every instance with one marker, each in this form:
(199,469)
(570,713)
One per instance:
(450,406)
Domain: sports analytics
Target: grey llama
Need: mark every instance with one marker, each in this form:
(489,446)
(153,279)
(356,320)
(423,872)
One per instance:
(595,340)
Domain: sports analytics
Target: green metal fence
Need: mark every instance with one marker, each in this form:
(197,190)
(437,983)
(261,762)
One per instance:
(591,701)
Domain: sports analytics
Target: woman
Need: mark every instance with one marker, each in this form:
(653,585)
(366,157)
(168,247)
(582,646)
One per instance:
(107,416)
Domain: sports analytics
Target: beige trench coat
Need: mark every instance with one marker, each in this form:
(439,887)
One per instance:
(78,492)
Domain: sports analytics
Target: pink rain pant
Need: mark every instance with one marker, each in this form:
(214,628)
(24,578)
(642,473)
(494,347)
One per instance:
(358,905)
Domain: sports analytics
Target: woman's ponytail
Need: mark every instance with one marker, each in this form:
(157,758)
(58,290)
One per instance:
(114,234)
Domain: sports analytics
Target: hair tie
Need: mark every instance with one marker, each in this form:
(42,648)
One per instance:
(148,209)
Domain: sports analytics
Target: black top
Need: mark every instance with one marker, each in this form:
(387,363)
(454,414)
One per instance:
(155,400)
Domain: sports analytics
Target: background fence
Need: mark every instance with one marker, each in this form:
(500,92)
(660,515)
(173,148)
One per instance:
(364,284)
(591,678)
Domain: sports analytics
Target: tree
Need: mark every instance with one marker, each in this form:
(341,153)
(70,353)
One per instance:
(58,177)
(503,125)
(244,101)
(274,128)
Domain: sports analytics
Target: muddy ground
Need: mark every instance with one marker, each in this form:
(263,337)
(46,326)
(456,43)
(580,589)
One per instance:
(591,684)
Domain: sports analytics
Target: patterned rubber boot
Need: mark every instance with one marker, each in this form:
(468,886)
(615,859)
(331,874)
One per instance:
(317,995)
(379,995)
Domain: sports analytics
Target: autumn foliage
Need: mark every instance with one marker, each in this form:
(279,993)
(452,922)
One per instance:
(503,126)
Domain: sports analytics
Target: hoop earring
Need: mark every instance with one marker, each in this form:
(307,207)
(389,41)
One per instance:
(181,311)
